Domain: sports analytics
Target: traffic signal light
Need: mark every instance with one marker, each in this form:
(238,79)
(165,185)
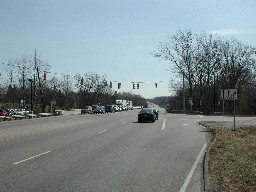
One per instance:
(44,75)
(156,85)
(119,85)
(133,85)
(82,81)
(110,84)
(138,85)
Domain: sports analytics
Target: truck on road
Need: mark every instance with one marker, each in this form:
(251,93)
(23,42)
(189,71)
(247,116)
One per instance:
(122,104)
(129,105)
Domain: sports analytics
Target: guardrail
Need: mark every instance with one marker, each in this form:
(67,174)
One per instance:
(18,117)
(44,115)
(5,118)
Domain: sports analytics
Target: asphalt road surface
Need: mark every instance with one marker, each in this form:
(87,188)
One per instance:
(105,152)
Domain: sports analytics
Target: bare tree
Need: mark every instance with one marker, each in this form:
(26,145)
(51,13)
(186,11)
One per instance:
(209,63)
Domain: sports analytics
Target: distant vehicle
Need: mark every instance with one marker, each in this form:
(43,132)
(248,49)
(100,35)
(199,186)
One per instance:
(109,108)
(146,114)
(10,111)
(94,107)
(116,108)
(3,112)
(21,111)
(86,110)
(155,111)
(122,104)
(129,105)
(99,109)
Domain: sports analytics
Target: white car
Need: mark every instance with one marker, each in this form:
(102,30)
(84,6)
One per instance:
(21,111)
(116,108)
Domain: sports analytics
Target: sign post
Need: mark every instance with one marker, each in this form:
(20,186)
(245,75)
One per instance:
(52,103)
(191,103)
(229,94)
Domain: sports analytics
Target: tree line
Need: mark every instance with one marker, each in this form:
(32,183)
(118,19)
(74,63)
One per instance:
(32,75)
(208,64)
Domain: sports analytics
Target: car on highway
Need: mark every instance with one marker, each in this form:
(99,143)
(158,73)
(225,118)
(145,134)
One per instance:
(86,110)
(155,111)
(146,114)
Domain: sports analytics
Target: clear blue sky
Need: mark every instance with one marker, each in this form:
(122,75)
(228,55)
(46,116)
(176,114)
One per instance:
(115,37)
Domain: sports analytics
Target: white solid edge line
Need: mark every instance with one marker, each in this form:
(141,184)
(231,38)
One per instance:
(184,186)
(163,126)
(31,157)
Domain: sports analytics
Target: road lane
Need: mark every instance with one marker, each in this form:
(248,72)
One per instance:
(103,153)
(54,133)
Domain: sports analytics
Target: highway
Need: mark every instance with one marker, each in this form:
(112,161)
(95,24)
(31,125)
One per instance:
(104,152)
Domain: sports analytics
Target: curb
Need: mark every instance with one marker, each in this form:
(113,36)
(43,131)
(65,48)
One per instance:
(211,138)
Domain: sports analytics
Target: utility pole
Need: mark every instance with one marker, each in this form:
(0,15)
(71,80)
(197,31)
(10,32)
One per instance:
(31,94)
(184,99)
(39,82)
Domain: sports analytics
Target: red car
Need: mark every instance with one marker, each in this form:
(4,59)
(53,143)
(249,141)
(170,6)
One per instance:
(86,109)
(3,113)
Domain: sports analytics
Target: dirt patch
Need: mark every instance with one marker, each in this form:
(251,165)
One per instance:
(232,158)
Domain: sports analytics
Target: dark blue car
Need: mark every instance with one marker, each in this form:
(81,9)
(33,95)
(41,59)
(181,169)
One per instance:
(146,115)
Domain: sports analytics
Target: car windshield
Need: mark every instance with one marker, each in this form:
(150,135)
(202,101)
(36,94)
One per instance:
(146,111)
(94,106)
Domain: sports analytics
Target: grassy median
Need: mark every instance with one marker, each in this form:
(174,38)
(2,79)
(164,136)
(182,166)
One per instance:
(232,158)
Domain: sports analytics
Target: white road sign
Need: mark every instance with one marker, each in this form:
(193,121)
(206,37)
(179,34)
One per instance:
(190,101)
(228,94)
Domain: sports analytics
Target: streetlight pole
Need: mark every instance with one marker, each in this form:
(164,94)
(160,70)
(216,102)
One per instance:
(31,94)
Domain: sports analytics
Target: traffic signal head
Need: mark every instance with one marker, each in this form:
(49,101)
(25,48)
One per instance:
(82,81)
(156,85)
(119,85)
(110,84)
(138,85)
(133,85)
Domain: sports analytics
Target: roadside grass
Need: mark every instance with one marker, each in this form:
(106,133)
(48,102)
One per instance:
(232,158)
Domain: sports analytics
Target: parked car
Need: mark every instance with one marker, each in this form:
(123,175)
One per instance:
(3,112)
(146,114)
(21,111)
(116,107)
(94,107)
(99,109)
(109,108)
(86,109)
(10,111)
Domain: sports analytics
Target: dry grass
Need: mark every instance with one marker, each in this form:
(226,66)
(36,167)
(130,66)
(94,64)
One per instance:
(232,159)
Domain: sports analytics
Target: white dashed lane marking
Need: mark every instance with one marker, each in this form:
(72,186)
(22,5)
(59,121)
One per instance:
(31,157)
(163,126)
(102,131)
